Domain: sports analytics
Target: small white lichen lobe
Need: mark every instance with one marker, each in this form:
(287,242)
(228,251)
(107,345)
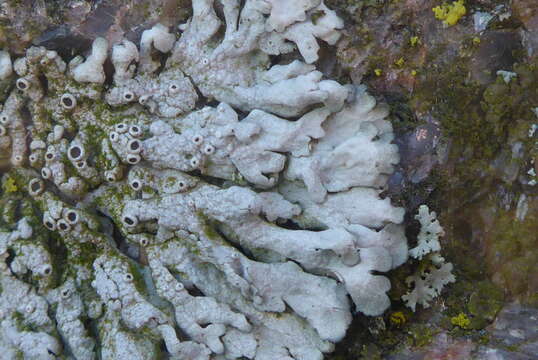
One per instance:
(198,203)
(434,273)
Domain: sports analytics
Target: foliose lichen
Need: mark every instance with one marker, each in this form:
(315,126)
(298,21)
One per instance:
(204,203)
(433,273)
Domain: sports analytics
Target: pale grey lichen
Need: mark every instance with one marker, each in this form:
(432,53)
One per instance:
(91,70)
(434,273)
(430,232)
(6,67)
(203,203)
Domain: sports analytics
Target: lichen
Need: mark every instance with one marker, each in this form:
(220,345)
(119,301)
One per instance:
(9,185)
(451,13)
(461,321)
(398,318)
(433,273)
(203,202)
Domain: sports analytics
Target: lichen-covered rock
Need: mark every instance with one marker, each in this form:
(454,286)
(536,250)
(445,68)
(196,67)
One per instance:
(199,203)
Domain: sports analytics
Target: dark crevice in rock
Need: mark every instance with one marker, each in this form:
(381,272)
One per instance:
(289,224)
(64,41)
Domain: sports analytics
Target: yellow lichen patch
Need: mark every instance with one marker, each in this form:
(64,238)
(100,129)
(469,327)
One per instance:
(398,318)
(400,62)
(414,40)
(413,73)
(450,14)
(10,186)
(476,40)
(378,72)
(461,321)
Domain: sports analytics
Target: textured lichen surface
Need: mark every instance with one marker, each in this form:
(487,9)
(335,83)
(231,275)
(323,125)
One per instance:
(468,149)
(463,101)
(214,197)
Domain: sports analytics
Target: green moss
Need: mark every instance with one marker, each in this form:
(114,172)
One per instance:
(447,91)
(421,334)
(513,252)
(138,278)
(484,304)
(21,324)
(480,121)
(18,317)
(371,352)
(58,256)
(474,117)
(85,255)
(55,10)
(113,199)
(208,229)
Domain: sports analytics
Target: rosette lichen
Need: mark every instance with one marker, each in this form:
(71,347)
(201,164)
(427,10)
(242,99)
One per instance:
(204,201)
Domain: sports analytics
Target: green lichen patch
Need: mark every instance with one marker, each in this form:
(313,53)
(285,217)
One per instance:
(485,302)
(512,252)
(461,321)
